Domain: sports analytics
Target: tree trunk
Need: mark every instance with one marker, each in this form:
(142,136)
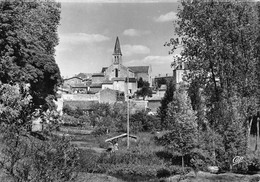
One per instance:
(257,134)
(182,163)
(249,126)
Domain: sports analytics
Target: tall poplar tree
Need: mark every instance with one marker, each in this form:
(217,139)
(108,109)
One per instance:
(220,43)
(168,97)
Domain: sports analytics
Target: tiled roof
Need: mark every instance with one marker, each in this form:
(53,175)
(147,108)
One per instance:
(118,79)
(72,78)
(84,75)
(139,69)
(96,85)
(98,75)
(79,85)
(107,82)
(130,80)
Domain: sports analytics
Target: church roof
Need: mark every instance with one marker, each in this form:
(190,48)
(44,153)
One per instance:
(117,49)
(139,69)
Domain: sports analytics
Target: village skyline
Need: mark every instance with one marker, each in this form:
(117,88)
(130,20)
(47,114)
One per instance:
(88,31)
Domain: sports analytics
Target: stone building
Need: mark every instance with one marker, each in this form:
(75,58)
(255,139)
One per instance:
(122,78)
(117,80)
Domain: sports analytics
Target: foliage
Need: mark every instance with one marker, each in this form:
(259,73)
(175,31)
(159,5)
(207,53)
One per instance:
(70,120)
(142,122)
(27,41)
(160,81)
(168,97)
(181,121)
(108,118)
(221,47)
(72,112)
(27,155)
(144,89)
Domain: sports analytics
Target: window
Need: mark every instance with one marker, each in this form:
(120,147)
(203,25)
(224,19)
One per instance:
(116,73)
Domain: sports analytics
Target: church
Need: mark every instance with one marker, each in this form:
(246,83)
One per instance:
(115,77)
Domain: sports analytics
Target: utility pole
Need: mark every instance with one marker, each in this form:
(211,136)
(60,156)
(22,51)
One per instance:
(127,100)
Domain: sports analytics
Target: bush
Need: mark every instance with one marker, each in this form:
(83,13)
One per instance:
(253,164)
(70,120)
(142,122)
(163,173)
(99,131)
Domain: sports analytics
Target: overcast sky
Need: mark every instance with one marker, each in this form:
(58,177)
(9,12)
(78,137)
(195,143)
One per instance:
(88,32)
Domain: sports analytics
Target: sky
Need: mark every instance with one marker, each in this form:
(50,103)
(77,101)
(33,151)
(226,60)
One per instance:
(88,31)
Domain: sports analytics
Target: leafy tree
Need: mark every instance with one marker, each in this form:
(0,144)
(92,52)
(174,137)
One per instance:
(160,81)
(27,155)
(142,122)
(181,120)
(168,97)
(145,89)
(27,40)
(29,78)
(220,43)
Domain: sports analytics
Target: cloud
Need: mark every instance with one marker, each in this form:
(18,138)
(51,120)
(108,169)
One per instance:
(153,60)
(128,50)
(167,17)
(134,32)
(82,38)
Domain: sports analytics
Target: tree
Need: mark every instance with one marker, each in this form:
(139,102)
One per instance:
(144,90)
(220,43)
(26,155)
(181,120)
(29,78)
(27,40)
(168,97)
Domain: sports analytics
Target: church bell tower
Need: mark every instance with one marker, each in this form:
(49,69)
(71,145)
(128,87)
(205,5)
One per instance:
(117,55)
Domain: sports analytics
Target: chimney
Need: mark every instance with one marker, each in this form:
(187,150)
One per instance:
(159,75)
(166,74)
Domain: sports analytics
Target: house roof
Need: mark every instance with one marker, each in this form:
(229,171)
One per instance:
(139,69)
(96,85)
(118,79)
(84,75)
(79,85)
(98,75)
(72,78)
(130,80)
(107,82)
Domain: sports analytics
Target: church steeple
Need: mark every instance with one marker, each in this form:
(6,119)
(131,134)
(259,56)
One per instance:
(117,55)
(117,49)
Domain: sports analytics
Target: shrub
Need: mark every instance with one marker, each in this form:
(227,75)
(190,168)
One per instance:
(163,173)
(99,131)
(254,164)
(70,120)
